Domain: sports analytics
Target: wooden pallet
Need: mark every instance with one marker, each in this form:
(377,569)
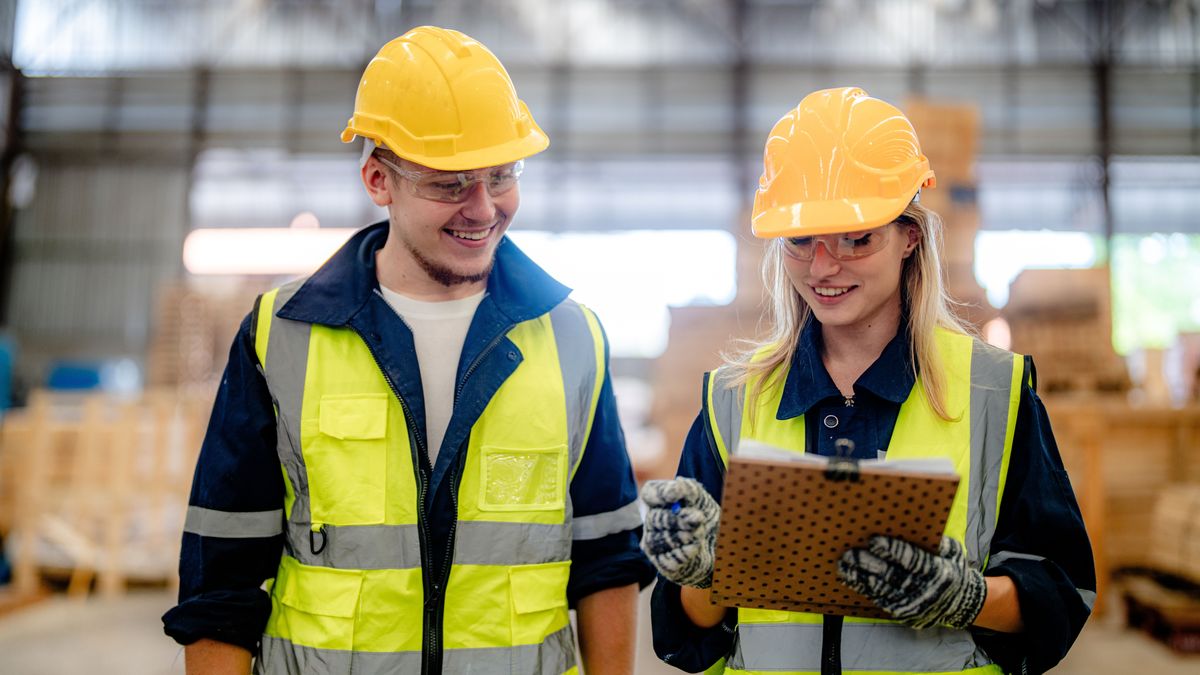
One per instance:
(98,486)
(1169,615)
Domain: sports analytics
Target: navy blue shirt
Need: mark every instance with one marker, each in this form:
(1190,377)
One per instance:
(220,593)
(1038,518)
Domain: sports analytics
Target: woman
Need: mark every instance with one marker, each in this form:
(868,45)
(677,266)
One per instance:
(863,347)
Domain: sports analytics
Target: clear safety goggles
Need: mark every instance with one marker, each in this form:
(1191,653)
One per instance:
(843,246)
(453,187)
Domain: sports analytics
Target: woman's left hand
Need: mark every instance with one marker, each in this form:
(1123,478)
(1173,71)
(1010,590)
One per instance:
(915,586)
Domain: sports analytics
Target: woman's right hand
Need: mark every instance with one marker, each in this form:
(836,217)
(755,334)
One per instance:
(680,535)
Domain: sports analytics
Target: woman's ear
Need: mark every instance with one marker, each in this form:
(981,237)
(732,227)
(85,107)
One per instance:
(375,179)
(914,237)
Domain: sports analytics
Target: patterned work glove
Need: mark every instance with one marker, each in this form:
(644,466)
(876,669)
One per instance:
(681,530)
(915,586)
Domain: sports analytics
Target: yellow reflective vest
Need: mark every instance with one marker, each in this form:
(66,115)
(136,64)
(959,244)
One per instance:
(351,593)
(983,385)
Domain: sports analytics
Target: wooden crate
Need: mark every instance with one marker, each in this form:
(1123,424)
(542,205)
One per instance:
(97,487)
(1063,319)
(1120,459)
(1169,615)
(949,133)
(193,329)
(1175,532)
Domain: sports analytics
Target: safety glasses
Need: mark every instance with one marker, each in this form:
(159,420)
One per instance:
(453,187)
(844,246)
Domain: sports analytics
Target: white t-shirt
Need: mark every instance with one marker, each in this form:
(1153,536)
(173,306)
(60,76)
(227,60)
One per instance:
(439,331)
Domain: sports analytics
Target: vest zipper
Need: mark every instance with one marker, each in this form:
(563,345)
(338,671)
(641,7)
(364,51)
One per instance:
(431,653)
(475,364)
(831,646)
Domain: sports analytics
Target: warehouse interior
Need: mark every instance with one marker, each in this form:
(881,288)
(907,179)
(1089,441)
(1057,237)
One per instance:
(163,162)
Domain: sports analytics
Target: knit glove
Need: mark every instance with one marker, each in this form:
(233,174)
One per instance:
(915,586)
(680,535)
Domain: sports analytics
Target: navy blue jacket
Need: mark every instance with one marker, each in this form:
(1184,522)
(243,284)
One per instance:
(220,593)
(1038,512)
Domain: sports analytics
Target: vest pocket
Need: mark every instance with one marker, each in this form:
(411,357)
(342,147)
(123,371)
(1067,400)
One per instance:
(539,600)
(347,460)
(316,606)
(526,479)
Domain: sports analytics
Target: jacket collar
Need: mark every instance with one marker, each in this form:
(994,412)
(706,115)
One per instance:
(890,377)
(334,293)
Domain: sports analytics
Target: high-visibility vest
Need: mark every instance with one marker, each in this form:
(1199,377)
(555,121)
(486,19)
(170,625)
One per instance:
(350,592)
(983,385)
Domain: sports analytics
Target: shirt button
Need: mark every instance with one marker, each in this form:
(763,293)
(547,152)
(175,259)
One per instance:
(831,421)
(512,356)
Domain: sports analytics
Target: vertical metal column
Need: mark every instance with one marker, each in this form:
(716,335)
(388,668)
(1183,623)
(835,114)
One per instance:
(11,149)
(1101,14)
(559,128)
(201,83)
(739,101)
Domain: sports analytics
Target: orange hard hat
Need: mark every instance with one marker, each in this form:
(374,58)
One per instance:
(439,98)
(841,161)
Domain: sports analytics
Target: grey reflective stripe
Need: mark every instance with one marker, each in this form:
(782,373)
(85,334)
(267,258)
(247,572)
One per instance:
(577,360)
(279,656)
(991,384)
(233,524)
(727,405)
(365,547)
(496,543)
(999,558)
(887,647)
(554,656)
(286,369)
(600,525)
(1087,597)
(383,547)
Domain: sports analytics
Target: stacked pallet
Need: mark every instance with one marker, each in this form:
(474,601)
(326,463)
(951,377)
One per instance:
(1175,534)
(95,488)
(1120,459)
(1063,319)
(949,134)
(1164,600)
(193,329)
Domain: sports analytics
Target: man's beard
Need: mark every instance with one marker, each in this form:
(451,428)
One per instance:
(444,275)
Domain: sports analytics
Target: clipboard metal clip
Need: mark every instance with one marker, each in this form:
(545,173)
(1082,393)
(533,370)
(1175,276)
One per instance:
(842,465)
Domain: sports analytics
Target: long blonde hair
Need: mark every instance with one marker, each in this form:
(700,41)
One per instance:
(762,364)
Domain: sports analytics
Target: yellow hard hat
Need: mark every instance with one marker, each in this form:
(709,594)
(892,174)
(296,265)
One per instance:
(841,161)
(441,99)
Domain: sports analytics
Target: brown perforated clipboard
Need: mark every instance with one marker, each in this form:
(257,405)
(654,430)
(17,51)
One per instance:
(784,525)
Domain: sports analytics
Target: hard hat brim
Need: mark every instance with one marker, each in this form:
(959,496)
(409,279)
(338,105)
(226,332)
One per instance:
(531,144)
(826,217)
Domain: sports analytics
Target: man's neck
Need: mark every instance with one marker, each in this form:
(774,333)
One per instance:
(396,270)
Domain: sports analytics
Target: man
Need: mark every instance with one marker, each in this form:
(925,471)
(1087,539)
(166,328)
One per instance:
(453,471)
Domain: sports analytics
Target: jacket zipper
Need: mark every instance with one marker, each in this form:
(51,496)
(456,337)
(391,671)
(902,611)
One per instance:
(431,653)
(831,646)
(435,613)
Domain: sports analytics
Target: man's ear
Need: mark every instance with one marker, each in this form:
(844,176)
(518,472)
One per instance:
(375,179)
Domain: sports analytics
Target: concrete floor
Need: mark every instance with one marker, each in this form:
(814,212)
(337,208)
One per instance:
(58,636)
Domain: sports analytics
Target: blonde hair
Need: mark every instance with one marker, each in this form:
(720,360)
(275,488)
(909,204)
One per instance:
(762,364)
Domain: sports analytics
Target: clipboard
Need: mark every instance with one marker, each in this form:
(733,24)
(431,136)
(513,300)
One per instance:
(784,525)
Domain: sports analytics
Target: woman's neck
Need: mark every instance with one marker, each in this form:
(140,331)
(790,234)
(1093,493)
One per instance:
(849,350)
